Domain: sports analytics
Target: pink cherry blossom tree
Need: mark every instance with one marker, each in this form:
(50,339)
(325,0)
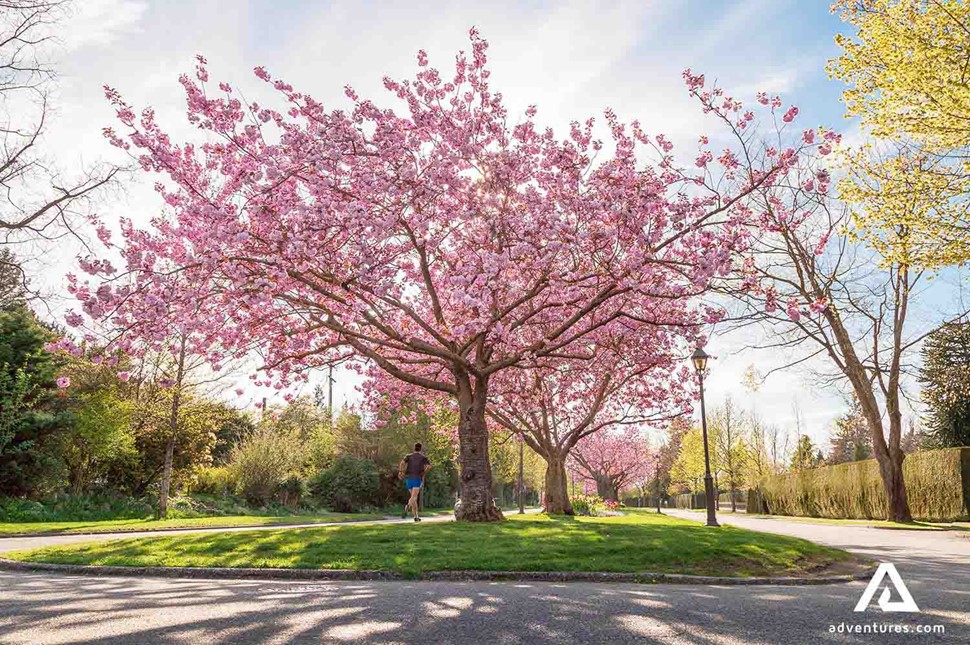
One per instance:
(436,239)
(633,375)
(611,460)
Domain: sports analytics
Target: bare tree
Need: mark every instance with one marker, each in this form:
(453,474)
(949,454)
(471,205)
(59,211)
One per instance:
(727,426)
(819,294)
(37,201)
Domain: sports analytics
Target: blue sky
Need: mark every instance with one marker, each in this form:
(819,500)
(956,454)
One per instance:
(572,59)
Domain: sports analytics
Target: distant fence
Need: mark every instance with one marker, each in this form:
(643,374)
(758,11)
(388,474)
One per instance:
(688,500)
(699,500)
(740,500)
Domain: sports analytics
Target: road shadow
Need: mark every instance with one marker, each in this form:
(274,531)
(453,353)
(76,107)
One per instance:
(36,608)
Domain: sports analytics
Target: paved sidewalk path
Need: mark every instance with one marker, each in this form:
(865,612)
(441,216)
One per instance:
(18,543)
(40,608)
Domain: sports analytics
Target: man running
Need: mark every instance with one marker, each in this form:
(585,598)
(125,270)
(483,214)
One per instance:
(412,470)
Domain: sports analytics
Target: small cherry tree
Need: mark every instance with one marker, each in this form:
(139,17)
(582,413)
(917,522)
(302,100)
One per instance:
(436,240)
(631,376)
(612,460)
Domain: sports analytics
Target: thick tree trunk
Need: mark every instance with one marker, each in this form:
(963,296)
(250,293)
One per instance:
(891,470)
(557,494)
(889,457)
(606,489)
(475,485)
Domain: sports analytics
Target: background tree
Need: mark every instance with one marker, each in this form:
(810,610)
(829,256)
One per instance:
(850,439)
(667,451)
(728,435)
(264,460)
(806,455)
(347,484)
(628,379)
(236,426)
(505,468)
(906,70)
(169,377)
(390,435)
(945,377)
(688,469)
(32,415)
(13,287)
(914,439)
(100,436)
(767,449)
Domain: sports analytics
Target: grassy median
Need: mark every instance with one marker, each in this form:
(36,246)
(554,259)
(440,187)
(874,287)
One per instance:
(634,542)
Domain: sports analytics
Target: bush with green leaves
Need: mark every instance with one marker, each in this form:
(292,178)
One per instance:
(74,508)
(290,492)
(214,480)
(264,460)
(347,485)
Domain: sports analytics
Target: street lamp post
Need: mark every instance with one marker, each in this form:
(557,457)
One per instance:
(521,477)
(699,357)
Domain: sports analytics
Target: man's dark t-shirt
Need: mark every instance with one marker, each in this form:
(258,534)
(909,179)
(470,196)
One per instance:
(414,464)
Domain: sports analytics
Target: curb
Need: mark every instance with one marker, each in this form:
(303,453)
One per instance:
(221,573)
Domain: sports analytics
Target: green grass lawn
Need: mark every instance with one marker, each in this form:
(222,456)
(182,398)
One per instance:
(635,542)
(8,529)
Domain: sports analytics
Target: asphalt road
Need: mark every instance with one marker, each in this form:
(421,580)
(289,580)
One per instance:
(42,608)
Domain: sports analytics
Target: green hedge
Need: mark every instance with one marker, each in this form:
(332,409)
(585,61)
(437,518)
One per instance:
(937,485)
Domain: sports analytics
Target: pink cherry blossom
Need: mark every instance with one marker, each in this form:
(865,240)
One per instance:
(430,240)
(63,382)
(610,461)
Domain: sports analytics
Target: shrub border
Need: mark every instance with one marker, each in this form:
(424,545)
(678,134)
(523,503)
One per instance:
(226,573)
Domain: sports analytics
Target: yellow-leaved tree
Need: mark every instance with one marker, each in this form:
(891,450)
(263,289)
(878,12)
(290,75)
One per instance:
(909,206)
(907,68)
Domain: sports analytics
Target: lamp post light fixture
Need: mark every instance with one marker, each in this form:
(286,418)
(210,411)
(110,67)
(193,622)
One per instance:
(699,358)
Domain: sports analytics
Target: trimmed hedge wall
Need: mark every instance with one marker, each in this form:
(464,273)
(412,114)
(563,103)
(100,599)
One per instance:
(937,487)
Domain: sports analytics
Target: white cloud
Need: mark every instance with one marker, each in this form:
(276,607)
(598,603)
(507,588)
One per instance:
(101,22)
